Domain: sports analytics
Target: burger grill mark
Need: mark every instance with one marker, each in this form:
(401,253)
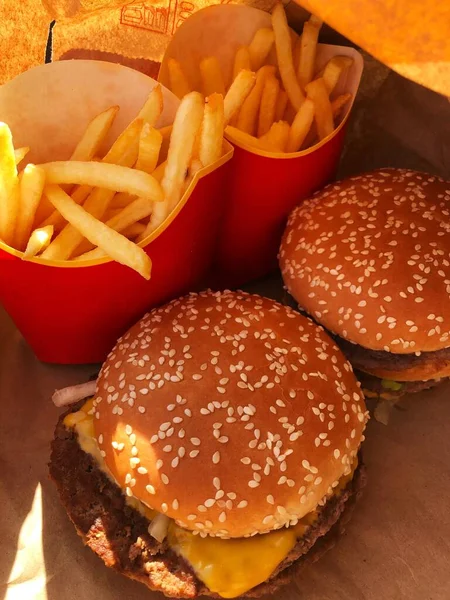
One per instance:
(230,374)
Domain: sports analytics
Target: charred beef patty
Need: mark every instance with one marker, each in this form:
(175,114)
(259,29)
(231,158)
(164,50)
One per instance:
(118,533)
(366,359)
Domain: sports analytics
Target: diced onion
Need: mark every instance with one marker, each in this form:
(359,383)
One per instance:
(158,527)
(74,393)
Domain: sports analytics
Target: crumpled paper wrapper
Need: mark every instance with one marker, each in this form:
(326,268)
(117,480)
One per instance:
(397,543)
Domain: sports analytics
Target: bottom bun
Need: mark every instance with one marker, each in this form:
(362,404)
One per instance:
(118,534)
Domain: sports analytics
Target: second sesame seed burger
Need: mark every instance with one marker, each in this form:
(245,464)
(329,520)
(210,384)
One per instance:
(220,447)
(369,259)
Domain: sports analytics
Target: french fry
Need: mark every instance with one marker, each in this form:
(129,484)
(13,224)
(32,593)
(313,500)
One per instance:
(20,153)
(248,115)
(239,90)
(333,71)
(297,51)
(136,211)
(241,61)
(103,175)
(300,126)
(310,36)
(118,247)
(121,199)
(94,254)
(260,47)
(241,137)
(158,173)
(178,80)
(188,120)
(9,186)
(94,135)
(166,132)
(211,75)
(32,183)
(153,107)
(268,105)
(186,126)
(55,219)
(39,240)
(338,104)
(149,146)
(133,231)
(283,46)
(323,115)
(276,138)
(281,105)
(195,166)
(211,132)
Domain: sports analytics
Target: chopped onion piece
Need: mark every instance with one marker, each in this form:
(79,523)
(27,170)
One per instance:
(158,527)
(73,393)
(383,411)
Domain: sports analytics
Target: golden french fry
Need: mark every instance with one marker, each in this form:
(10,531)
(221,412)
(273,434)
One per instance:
(20,153)
(39,240)
(133,231)
(338,104)
(79,195)
(136,211)
(9,186)
(94,135)
(153,107)
(268,105)
(115,245)
(32,183)
(297,52)
(239,90)
(334,69)
(94,254)
(178,80)
(300,126)
(241,137)
(310,36)
(149,146)
(211,132)
(158,173)
(276,138)
(280,108)
(188,120)
(122,199)
(260,47)
(241,61)
(103,175)
(323,115)
(248,115)
(211,74)
(195,166)
(283,46)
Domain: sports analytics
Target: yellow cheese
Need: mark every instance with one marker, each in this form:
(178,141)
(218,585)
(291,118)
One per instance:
(227,567)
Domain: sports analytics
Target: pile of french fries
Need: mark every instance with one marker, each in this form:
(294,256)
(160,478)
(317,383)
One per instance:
(285,105)
(93,206)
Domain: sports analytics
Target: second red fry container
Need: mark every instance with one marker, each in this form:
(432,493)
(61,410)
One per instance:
(263,187)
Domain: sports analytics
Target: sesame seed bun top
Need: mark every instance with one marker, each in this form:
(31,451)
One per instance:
(230,413)
(369,258)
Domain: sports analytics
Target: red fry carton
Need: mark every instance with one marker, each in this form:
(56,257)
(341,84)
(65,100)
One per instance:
(72,312)
(263,187)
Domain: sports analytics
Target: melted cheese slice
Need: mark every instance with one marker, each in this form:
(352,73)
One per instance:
(227,567)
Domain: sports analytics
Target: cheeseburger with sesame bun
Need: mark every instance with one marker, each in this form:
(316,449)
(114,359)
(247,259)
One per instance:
(220,447)
(369,259)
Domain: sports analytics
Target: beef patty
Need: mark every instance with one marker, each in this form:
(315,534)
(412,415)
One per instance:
(118,533)
(392,390)
(366,359)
